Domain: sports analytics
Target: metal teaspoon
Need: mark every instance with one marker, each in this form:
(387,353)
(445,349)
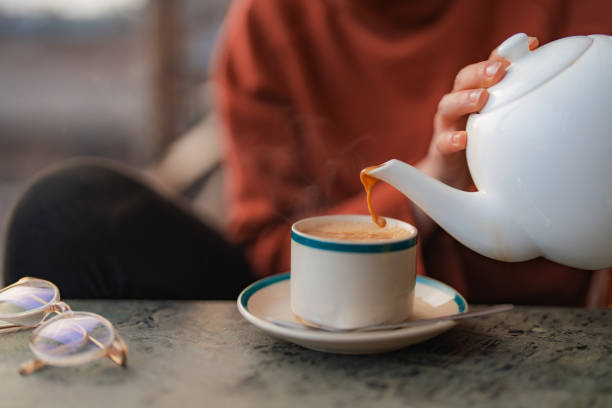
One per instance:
(392,326)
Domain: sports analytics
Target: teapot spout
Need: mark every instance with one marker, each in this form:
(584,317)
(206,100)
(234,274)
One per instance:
(473,218)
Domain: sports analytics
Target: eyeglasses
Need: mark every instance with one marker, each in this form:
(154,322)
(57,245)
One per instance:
(70,338)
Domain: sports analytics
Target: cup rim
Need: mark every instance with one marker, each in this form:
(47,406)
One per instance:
(387,245)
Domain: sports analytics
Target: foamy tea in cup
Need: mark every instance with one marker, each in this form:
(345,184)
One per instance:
(347,272)
(355,231)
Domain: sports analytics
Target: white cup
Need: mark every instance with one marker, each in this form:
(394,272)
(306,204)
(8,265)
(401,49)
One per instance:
(349,284)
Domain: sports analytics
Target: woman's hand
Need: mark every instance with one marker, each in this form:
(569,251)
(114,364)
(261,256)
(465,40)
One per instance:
(445,159)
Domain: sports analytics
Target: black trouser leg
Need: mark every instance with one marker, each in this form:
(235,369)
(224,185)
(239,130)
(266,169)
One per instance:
(98,232)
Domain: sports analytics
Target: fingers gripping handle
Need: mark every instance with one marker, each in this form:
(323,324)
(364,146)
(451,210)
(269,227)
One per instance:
(514,47)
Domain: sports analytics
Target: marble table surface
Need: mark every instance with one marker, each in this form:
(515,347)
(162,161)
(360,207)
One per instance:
(184,354)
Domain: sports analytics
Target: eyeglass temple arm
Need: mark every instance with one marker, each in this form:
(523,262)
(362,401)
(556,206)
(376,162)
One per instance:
(117,351)
(31,366)
(5,328)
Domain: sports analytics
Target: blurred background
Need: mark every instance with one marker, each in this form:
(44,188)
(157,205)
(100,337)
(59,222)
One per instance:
(120,79)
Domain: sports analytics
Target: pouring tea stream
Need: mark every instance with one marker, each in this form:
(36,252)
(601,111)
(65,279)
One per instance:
(540,155)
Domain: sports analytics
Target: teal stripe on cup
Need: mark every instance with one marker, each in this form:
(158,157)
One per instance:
(353,246)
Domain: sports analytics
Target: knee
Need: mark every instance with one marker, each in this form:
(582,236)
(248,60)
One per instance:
(73,181)
(62,196)
(63,211)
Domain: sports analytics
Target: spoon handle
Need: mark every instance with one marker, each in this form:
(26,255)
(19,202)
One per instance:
(483,312)
(457,316)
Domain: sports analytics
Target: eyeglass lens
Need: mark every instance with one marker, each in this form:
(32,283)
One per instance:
(72,334)
(23,298)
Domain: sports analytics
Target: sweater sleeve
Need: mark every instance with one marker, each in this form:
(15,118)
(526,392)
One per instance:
(266,181)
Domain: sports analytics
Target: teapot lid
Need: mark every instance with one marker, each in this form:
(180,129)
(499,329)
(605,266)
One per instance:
(530,69)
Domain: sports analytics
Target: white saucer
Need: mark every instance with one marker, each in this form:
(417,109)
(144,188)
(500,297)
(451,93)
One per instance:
(269,297)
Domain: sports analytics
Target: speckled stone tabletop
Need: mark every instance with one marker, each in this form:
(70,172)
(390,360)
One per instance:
(184,354)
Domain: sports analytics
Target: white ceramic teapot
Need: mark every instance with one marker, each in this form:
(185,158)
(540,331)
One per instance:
(540,154)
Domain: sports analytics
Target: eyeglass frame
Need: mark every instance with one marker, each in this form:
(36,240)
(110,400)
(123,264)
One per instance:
(116,350)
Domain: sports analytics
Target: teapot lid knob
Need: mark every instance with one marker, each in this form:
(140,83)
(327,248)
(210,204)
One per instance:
(530,69)
(514,47)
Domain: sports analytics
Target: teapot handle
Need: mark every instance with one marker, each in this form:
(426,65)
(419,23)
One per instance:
(514,47)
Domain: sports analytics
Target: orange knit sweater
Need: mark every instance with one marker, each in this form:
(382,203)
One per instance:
(312,91)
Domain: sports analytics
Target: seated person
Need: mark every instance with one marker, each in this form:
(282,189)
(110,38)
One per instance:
(309,93)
